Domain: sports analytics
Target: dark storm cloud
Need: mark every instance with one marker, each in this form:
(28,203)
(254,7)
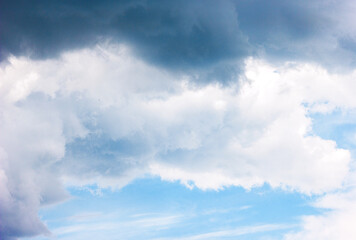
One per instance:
(174,34)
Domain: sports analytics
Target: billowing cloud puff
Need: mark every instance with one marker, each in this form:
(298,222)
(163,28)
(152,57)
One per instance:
(30,142)
(102,116)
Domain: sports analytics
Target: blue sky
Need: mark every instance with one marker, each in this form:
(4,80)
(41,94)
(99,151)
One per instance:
(152,209)
(177,120)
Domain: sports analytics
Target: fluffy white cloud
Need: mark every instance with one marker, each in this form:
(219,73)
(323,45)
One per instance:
(262,133)
(30,142)
(103,116)
(337,222)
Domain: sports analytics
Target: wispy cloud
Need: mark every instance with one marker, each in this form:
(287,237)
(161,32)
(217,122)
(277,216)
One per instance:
(232,232)
(223,211)
(96,222)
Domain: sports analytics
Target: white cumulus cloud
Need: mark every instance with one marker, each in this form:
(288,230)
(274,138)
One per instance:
(105,117)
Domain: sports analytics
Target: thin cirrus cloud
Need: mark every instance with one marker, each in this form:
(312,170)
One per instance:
(106,93)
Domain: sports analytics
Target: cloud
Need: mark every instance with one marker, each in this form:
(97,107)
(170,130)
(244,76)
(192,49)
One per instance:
(186,35)
(103,116)
(29,144)
(173,34)
(336,222)
(40,121)
(105,93)
(129,228)
(312,31)
(260,133)
(233,232)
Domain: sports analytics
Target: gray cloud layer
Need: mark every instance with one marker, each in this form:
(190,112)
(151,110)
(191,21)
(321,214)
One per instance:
(182,35)
(175,34)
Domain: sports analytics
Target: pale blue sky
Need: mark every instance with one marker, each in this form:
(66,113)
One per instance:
(153,209)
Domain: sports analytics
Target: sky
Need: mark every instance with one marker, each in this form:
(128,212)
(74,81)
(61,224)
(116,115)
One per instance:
(177,120)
